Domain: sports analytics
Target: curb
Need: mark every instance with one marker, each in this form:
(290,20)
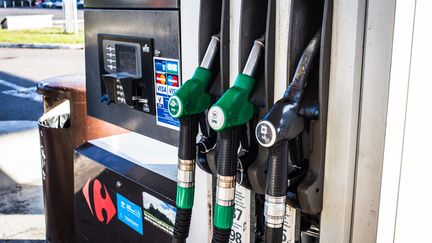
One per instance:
(43,46)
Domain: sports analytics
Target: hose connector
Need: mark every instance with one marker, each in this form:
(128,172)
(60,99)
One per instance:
(185,183)
(274,211)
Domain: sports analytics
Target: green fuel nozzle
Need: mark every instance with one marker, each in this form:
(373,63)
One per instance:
(233,108)
(187,104)
(226,116)
(192,97)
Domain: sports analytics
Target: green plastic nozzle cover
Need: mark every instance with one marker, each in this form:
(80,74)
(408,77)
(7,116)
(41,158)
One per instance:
(233,108)
(192,97)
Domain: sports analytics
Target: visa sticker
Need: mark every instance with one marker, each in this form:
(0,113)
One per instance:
(130,214)
(167,82)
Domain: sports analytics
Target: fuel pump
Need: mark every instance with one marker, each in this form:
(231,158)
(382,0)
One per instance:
(187,105)
(280,130)
(226,117)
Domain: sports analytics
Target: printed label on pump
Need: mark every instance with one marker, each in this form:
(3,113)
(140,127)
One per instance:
(159,213)
(291,228)
(130,214)
(241,230)
(167,82)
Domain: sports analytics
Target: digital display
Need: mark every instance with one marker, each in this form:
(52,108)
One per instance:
(127,60)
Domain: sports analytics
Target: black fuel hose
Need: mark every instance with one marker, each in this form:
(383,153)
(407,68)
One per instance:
(186,155)
(273,234)
(277,170)
(187,137)
(275,192)
(228,144)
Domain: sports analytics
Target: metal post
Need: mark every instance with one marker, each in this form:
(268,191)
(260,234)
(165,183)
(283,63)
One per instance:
(4,4)
(71,16)
(22,4)
(13,4)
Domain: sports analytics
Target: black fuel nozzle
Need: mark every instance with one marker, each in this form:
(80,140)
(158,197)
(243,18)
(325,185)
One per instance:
(188,104)
(283,121)
(280,125)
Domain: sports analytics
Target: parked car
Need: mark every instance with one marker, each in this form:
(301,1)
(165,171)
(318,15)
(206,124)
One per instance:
(58,4)
(80,4)
(47,4)
(39,3)
(52,4)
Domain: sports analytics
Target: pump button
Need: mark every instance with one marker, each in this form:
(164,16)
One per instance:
(175,106)
(265,134)
(216,118)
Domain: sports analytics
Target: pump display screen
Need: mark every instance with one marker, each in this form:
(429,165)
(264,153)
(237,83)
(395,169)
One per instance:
(127,59)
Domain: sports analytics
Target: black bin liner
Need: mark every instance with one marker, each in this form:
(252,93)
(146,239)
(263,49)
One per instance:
(57,173)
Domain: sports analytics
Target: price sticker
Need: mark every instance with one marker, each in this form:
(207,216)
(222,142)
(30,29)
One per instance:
(241,230)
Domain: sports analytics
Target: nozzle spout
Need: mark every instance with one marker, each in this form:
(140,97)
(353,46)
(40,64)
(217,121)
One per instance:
(254,57)
(211,52)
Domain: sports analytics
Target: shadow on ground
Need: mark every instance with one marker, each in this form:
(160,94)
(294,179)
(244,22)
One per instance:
(21,199)
(19,99)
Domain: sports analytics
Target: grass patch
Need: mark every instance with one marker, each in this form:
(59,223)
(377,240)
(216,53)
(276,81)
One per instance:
(40,36)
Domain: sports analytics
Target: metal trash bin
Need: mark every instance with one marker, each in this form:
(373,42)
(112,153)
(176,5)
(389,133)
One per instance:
(62,128)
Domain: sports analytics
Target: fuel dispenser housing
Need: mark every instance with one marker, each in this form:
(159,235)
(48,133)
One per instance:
(135,59)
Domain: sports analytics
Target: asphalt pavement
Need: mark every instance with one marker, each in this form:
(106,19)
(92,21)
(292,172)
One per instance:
(21,203)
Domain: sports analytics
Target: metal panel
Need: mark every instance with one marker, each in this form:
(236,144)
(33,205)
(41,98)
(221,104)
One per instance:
(375,83)
(395,126)
(414,200)
(344,99)
(118,176)
(283,15)
(132,4)
(235,10)
(163,27)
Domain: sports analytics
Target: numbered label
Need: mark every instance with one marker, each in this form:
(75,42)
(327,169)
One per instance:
(241,230)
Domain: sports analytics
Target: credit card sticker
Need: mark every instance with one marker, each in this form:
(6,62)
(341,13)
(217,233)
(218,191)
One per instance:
(167,82)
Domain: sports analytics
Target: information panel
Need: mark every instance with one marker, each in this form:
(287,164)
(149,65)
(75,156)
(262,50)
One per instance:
(167,82)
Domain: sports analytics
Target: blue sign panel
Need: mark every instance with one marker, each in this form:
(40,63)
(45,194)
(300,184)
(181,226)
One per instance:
(130,214)
(167,82)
